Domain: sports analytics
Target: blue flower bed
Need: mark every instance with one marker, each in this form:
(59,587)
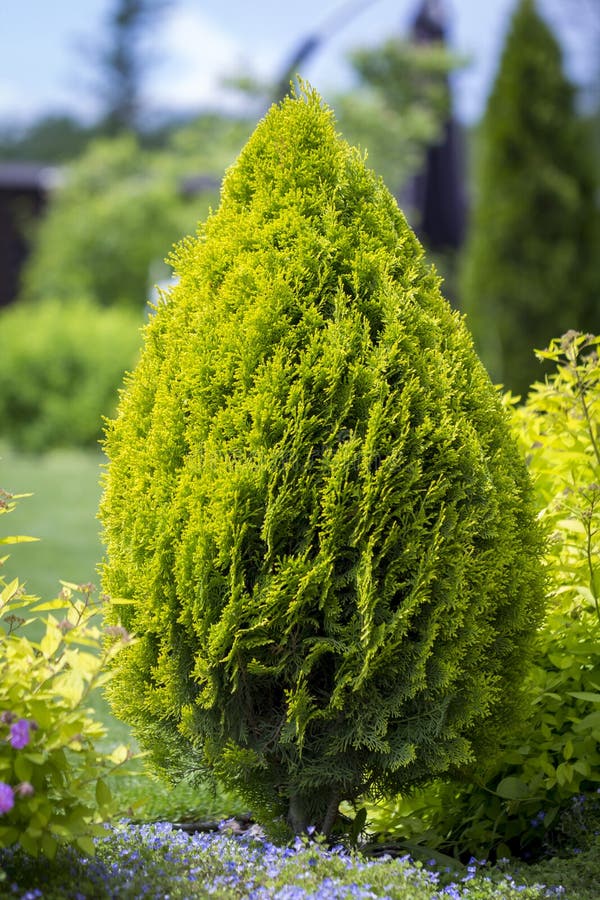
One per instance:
(159,861)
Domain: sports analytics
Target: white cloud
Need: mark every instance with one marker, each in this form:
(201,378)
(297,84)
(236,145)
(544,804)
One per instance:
(16,105)
(197,55)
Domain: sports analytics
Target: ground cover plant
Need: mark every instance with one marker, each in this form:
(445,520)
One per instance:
(158,862)
(313,504)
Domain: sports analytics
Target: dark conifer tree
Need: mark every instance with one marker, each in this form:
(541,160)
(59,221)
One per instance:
(123,62)
(531,265)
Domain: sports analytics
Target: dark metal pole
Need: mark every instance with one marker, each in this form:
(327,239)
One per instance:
(307,47)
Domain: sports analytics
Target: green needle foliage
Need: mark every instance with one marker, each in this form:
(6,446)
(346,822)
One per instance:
(313,506)
(530,269)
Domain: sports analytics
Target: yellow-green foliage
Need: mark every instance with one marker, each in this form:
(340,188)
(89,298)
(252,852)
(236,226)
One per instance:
(52,776)
(558,430)
(313,498)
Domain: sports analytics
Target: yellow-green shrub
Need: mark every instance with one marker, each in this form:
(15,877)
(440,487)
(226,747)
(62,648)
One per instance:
(52,776)
(313,499)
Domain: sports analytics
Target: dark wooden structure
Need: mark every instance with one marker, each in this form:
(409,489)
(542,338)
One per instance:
(24,188)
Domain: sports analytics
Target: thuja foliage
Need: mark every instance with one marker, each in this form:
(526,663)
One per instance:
(530,267)
(53,787)
(313,499)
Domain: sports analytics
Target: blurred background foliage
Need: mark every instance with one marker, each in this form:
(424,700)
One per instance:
(508,209)
(106,229)
(520,259)
(530,265)
(399,107)
(59,378)
(125,192)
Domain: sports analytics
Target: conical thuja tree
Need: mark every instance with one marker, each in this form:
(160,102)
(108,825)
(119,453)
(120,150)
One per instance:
(531,263)
(312,504)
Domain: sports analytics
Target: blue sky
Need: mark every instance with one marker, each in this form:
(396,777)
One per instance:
(43,65)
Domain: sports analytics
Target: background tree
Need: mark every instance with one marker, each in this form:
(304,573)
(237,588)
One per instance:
(95,240)
(580,20)
(530,267)
(50,139)
(397,109)
(399,106)
(123,62)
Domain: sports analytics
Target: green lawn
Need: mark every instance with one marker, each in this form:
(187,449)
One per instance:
(65,488)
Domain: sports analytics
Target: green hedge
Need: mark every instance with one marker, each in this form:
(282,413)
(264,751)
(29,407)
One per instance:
(62,365)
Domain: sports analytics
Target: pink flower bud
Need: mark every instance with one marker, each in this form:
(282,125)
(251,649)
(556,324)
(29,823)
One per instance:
(25,789)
